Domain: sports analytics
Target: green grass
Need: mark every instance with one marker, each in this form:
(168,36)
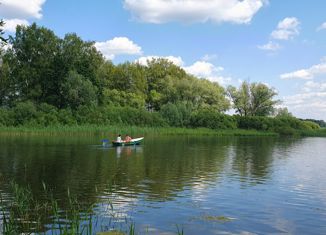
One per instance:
(132,130)
(314,133)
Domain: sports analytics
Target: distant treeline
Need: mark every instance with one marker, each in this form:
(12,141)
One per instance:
(46,80)
(321,123)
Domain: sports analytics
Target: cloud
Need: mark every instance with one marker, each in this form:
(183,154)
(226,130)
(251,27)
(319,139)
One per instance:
(21,9)
(286,29)
(309,73)
(270,46)
(311,86)
(203,69)
(191,11)
(118,46)
(10,25)
(307,104)
(175,60)
(322,26)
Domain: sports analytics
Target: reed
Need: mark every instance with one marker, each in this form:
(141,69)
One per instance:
(132,130)
(25,215)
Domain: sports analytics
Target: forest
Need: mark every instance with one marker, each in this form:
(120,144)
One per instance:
(46,80)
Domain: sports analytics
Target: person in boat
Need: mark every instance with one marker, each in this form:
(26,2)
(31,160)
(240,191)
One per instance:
(128,138)
(119,139)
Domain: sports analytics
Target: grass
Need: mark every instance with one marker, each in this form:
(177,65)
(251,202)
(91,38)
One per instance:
(132,130)
(314,133)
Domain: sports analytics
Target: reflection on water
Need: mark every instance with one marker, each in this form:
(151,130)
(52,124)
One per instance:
(256,185)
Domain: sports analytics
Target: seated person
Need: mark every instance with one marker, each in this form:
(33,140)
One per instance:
(128,138)
(119,138)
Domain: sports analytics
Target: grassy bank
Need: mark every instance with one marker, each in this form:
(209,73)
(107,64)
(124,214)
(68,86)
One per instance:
(314,133)
(132,130)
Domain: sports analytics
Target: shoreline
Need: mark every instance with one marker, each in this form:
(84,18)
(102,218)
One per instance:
(137,130)
(133,130)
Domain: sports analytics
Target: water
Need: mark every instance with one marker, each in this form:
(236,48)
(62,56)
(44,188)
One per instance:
(205,185)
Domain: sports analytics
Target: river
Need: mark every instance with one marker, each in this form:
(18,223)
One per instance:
(203,185)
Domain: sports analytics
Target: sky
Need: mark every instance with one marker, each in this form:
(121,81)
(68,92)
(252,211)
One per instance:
(279,43)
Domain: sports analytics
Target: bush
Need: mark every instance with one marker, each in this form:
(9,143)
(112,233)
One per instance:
(112,115)
(24,113)
(285,125)
(6,117)
(65,117)
(47,115)
(212,119)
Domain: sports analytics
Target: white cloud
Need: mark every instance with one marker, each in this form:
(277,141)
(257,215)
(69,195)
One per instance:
(311,86)
(309,73)
(10,25)
(307,104)
(118,46)
(322,26)
(286,29)
(203,69)
(21,9)
(190,11)
(175,60)
(270,46)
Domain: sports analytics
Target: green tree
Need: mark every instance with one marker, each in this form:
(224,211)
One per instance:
(283,112)
(78,91)
(255,99)
(2,39)
(160,74)
(32,60)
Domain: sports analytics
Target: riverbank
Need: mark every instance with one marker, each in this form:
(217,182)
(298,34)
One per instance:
(135,130)
(132,130)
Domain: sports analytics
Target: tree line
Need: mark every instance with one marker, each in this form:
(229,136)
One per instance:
(48,80)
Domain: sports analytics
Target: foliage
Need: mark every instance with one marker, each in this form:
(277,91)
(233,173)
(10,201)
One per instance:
(178,114)
(321,123)
(283,112)
(212,119)
(255,99)
(282,125)
(78,91)
(2,39)
(47,81)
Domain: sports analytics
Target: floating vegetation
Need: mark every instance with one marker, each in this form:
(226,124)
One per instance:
(220,218)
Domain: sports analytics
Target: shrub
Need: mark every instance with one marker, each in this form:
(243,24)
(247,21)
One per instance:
(24,113)
(6,117)
(212,119)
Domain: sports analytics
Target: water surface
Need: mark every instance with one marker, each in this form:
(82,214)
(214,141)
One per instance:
(206,185)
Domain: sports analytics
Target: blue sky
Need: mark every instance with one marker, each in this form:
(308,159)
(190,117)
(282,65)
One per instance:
(280,43)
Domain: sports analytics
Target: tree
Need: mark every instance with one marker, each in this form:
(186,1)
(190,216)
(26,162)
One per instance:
(78,91)
(160,75)
(283,112)
(255,99)
(32,62)
(2,39)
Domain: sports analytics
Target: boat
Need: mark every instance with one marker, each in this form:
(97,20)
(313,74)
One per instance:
(136,141)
